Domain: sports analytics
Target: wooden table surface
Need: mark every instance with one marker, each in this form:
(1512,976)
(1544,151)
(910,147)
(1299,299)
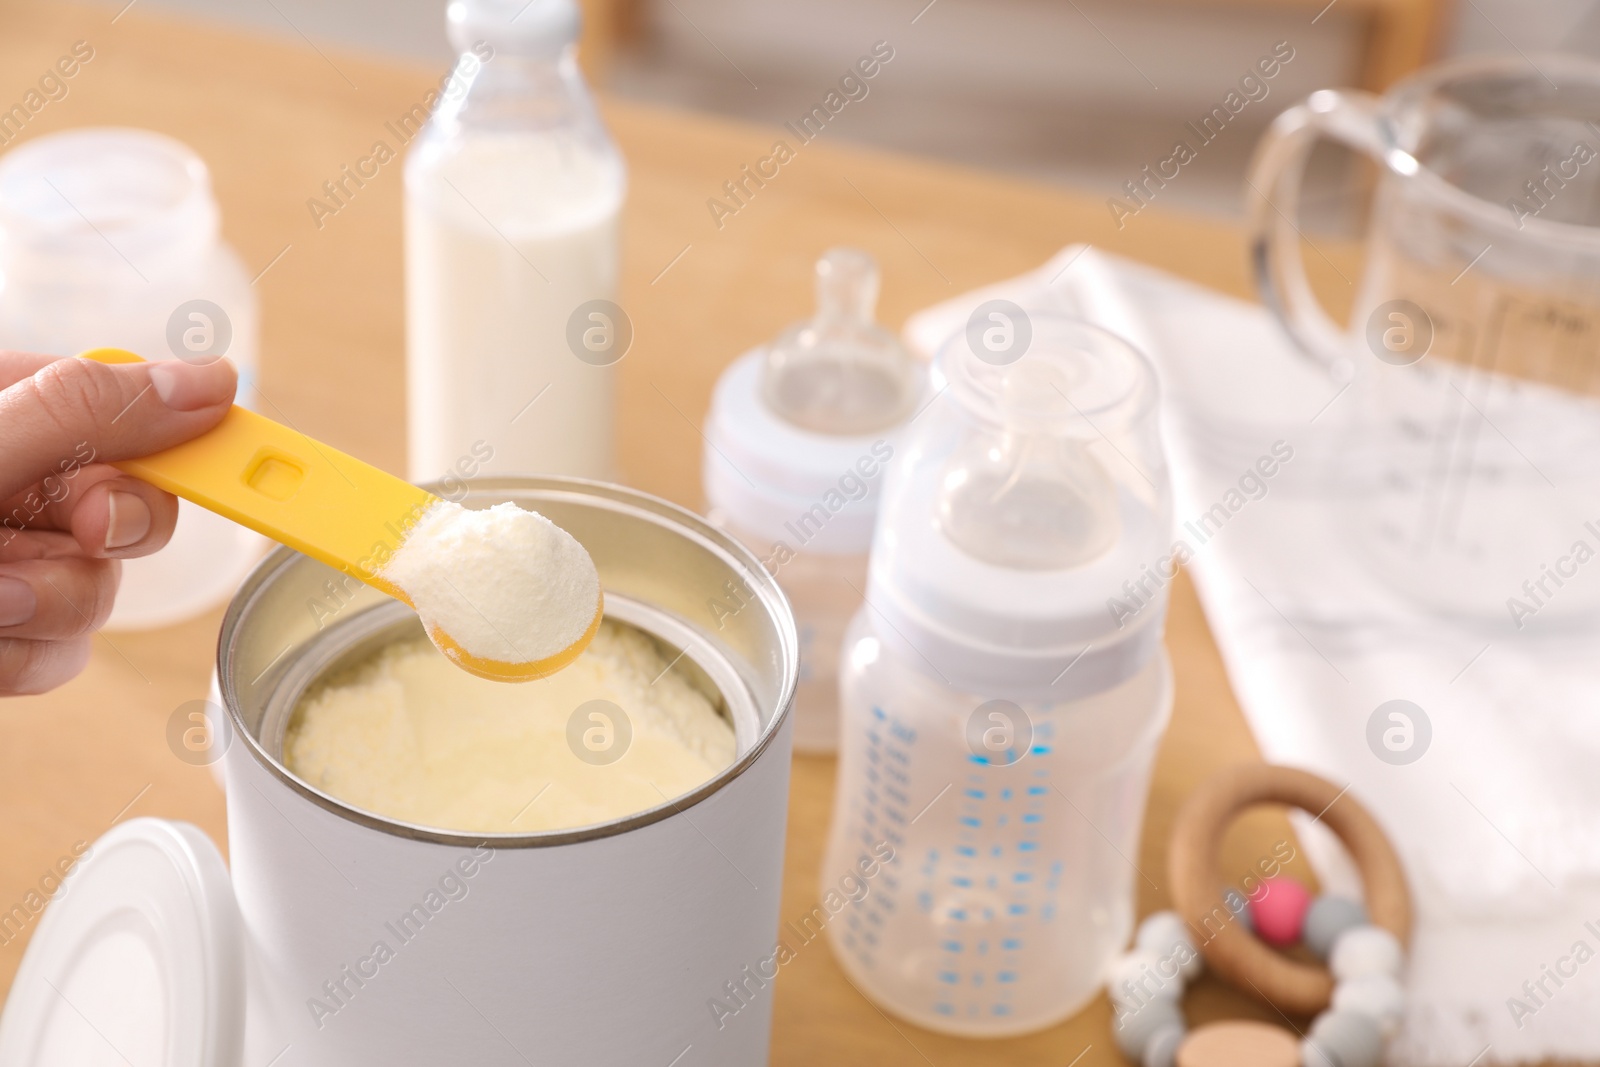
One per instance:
(275,118)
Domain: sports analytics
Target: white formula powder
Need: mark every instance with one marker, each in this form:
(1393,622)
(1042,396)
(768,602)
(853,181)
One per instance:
(505,584)
(409,735)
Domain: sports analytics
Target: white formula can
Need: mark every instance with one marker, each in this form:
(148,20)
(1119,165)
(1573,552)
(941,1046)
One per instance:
(355,939)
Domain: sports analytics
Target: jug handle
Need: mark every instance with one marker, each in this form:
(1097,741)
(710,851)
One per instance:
(1349,117)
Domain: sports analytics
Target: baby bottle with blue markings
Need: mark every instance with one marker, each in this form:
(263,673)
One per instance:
(1004,687)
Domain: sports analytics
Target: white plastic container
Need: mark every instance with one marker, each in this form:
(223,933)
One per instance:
(350,938)
(799,435)
(1002,695)
(111,238)
(512,196)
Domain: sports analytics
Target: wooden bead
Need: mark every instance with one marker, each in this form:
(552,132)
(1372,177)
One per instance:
(1239,1044)
(1230,950)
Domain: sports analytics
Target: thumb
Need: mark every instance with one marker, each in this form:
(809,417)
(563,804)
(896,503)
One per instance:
(78,409)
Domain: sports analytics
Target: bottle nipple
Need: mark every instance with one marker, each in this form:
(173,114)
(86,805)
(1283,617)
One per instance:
(840,372)
(1028,493)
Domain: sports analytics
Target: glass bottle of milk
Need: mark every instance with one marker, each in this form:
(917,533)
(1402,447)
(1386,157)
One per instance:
(512,196)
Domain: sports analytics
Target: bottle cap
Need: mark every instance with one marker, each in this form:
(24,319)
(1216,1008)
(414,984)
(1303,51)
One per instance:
(530,28)
(800,431)
(1025,541)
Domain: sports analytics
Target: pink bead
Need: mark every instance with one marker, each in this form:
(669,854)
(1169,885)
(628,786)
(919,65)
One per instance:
(1280,910)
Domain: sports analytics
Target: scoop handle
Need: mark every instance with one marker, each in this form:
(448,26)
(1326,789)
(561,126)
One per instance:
(290,487)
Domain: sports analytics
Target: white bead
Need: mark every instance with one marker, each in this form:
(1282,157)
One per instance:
(1167,935)
(1162,1049)
(1377,996)
(1346,1038)
(1364,950)
(1138,977)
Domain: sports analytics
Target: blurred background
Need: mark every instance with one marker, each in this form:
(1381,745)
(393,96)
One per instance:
(1078,92)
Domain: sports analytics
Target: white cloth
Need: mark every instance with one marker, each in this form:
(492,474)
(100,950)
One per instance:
(1498,822)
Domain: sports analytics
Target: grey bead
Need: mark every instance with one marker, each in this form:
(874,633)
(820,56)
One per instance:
(1133,1030)
(1162,1050)
(1328,918)
(1240,906)
(1347,1038)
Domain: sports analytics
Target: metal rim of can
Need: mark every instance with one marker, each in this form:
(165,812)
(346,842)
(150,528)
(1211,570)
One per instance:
(613,497)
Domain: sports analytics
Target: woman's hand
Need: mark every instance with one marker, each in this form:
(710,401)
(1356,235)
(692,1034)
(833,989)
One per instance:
(66,517)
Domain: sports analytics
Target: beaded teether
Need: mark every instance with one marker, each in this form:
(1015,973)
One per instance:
(1364,956)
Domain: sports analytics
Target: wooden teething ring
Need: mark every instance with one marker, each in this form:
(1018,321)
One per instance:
(1227,945)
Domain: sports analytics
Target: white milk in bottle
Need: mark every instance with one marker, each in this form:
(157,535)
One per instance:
(512,196)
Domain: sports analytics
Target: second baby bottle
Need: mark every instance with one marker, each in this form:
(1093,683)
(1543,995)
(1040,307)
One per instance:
(1004,687)
(799,435)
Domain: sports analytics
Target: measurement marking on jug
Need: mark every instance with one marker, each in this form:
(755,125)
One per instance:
(1503,437)
(486,1019)
(131,803)
(702,833)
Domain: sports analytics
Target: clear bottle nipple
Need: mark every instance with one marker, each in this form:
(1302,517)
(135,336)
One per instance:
(841,373)
(1024,490)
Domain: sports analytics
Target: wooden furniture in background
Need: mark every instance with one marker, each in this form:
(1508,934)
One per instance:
(1397,36)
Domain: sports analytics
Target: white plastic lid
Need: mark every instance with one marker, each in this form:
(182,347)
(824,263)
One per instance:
(773,480)
(138,959)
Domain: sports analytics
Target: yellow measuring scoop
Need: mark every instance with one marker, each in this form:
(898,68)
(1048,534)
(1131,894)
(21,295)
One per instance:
(318,501)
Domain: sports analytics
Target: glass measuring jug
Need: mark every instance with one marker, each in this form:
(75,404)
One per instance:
(1472,354)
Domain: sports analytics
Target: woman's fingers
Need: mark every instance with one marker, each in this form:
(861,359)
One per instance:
(56,598)
(77,411)
(28,667)
(111,514)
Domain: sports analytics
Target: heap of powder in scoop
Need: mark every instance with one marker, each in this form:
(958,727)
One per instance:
(504,583)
